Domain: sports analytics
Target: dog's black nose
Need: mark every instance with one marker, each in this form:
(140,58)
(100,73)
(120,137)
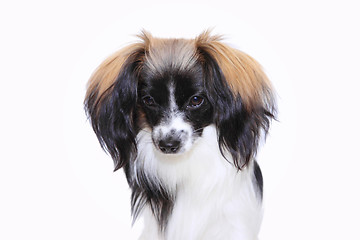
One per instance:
(169,145)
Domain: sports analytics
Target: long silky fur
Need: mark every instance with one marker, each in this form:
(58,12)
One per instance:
(112,112)
(240,124)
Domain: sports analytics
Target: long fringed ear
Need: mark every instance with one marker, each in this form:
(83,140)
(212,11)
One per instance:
(244,98)
(111,100)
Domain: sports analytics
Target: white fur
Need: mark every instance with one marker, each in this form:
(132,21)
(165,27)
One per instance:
(214,201)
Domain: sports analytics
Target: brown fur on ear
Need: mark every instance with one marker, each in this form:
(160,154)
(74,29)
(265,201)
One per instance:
(242,73)
(106,74)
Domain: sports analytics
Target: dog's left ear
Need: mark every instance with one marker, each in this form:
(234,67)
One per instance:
(111,100)
(242,97)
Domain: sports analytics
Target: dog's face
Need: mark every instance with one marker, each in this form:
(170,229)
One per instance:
(176,108)
(174,88)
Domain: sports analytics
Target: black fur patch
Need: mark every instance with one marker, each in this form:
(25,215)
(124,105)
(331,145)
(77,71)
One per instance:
(156,196)
(258,179)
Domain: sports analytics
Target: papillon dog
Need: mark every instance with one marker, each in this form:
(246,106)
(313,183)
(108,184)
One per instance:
(184,118)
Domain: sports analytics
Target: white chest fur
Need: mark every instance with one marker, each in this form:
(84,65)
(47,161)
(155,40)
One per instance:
(213,200)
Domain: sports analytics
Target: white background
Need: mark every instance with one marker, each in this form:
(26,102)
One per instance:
(57,183)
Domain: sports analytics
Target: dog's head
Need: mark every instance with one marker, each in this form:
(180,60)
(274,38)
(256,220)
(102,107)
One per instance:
(174,88)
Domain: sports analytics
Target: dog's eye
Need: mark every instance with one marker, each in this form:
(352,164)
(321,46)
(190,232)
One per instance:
(195,101)
(149,101)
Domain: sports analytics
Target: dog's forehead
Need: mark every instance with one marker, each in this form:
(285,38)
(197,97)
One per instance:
(165,54)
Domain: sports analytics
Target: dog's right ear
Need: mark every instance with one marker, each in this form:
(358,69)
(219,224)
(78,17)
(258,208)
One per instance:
(111,100)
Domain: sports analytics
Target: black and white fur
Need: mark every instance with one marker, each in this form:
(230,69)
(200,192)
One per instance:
(184,118)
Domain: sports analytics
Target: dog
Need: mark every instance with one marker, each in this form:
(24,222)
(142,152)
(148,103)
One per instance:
(184,118)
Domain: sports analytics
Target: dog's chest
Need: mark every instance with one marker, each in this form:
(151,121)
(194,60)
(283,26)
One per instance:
(227,211)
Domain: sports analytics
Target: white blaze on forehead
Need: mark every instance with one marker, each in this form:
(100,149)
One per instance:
(172,100)
(176,119)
